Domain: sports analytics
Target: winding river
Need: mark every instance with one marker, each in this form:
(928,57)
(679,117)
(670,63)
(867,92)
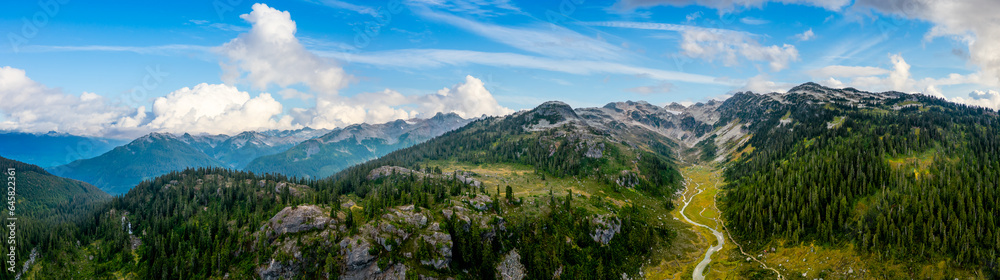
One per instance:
(700,269)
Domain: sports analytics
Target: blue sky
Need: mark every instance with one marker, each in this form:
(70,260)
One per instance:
(123,69)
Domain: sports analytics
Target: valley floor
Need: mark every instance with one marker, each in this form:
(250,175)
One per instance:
(790,261)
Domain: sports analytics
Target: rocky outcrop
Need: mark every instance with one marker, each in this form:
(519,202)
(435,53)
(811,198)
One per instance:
(481,202)
(394,272)
(294,219)
(606,228)
(355,252)
(511,268)
(441,242)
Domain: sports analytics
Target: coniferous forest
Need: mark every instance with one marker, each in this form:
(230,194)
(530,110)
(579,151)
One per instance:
(914,183)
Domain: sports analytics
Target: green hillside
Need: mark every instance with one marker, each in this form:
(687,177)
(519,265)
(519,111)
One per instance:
(499,196)
(44,206)
(910,183)
(119,170)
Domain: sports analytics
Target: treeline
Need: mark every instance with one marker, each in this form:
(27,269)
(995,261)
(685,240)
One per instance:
(192,224)
(808,181)
(556,241)
(558,152)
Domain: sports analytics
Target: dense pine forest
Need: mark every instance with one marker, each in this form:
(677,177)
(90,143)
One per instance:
(913,178)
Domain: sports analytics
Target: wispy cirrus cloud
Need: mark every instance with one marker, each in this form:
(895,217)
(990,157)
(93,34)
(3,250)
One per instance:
(725,6)
(433,58)
(754,21)
(486,8)
(171,49)
(364,10)
(546,39)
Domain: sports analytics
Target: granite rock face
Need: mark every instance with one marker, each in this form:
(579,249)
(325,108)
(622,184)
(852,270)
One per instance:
(511,268)
(295,219)
(606,229)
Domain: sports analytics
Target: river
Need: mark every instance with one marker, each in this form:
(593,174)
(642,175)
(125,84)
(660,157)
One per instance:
(700,269)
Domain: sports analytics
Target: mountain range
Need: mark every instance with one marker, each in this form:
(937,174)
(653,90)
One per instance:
(325,155)
(53,149)
(815,182)
(304,153)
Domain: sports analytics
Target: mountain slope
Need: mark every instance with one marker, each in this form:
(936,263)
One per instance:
(323,156)
(908,177)
(897,185)
(116,171)
(578,202)
(44,205)
(237,151)
(53,149)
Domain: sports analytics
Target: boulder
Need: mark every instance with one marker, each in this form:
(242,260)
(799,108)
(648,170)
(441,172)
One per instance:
(511,268)
(294,219)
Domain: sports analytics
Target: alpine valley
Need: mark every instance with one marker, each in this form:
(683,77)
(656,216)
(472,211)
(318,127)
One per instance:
(815,183)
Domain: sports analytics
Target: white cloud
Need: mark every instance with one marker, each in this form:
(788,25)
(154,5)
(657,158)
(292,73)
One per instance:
(347,6)
(899,79)
(487,8)
(711,44)
(973,22)
(549,39)
(846,71)
(270,54)
(729,47)
(693,16)
(29,106)
(806,36)
(291,93)
(468,99)
(427,58)
(762,84)
(989,99)
(172,49)
(725,6)
(754,21)
(658,88)
(216,108)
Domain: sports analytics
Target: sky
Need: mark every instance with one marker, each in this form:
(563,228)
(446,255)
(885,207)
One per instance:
(123,68)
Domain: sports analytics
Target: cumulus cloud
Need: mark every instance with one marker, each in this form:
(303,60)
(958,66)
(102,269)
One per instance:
(898,78)
(806,36)
(973,22)
(989,99)
(468,99)
(731,46)
(658,88)
(217,108)
(725,6)
(271,54)
(763,84)
(29,106)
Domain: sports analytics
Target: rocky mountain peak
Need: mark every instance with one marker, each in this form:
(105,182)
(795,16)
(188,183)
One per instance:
(555,111)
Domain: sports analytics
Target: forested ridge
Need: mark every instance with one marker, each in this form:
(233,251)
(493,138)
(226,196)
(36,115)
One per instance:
(547,194)
(914,177)
(44,206)
(213,222)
